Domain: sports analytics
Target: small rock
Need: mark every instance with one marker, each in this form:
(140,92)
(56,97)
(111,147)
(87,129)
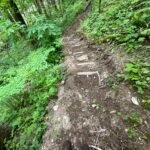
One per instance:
(83,58)
(60,92)
(84,124)
(104,110)
(105,75)
(110,95)
(62,82)
(114,121)
(55,108)
(66,122)
(126,130)
(86,90)
(94,105)
(113,112)
(135,101)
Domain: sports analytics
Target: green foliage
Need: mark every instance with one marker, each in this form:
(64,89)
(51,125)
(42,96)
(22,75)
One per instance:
(30,71)
(72,12)
(146,102)
(25,96)
(121,23)
(43,32)
(132,133)
(138,73)
(29,66)
(10,32)
(141,17)
(112,82)
(133,119)
(18,75)
(3,4)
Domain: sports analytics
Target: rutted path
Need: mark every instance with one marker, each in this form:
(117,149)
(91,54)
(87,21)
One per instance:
(86,109)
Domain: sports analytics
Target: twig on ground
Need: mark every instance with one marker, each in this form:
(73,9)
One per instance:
(97,139)
(100,80)
(92,146)
(100,131)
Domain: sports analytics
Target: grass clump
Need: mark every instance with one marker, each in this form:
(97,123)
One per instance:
(133,119)
(132,133)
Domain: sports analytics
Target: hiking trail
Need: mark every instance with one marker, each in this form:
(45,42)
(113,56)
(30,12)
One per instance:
(86,108)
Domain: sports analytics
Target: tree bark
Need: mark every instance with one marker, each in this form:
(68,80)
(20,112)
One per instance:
(100,3)
(37,4)
(43,7)
(16,13)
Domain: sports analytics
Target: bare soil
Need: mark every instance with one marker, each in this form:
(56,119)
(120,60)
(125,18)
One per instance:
(87,109)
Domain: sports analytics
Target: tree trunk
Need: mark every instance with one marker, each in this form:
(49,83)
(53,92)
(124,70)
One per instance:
(10,16)
(100,3)
(37,4)
(16,13)
(43,7)
(54,4)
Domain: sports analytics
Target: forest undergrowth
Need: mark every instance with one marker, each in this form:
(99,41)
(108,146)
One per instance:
(30,57)
(125,24)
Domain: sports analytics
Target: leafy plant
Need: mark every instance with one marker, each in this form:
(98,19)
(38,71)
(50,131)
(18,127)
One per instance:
(27,84)
(146,102)
(132,133)
(43,32)
(24,98)
(10,32)
(120,23)
(112,82)
(133,119)
(138,73)
(72,12)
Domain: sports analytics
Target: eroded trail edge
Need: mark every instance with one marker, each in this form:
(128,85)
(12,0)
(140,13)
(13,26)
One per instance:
(87,108)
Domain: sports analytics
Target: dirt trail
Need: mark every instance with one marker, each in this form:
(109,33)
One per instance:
(86,109)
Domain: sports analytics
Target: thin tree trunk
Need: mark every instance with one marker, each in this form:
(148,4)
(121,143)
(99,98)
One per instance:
(54,4)
(43,7)
(10,16)
(100,3)
(37,4)
(16,13)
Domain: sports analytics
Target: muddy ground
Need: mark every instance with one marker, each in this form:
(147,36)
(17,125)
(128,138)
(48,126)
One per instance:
(88,109)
